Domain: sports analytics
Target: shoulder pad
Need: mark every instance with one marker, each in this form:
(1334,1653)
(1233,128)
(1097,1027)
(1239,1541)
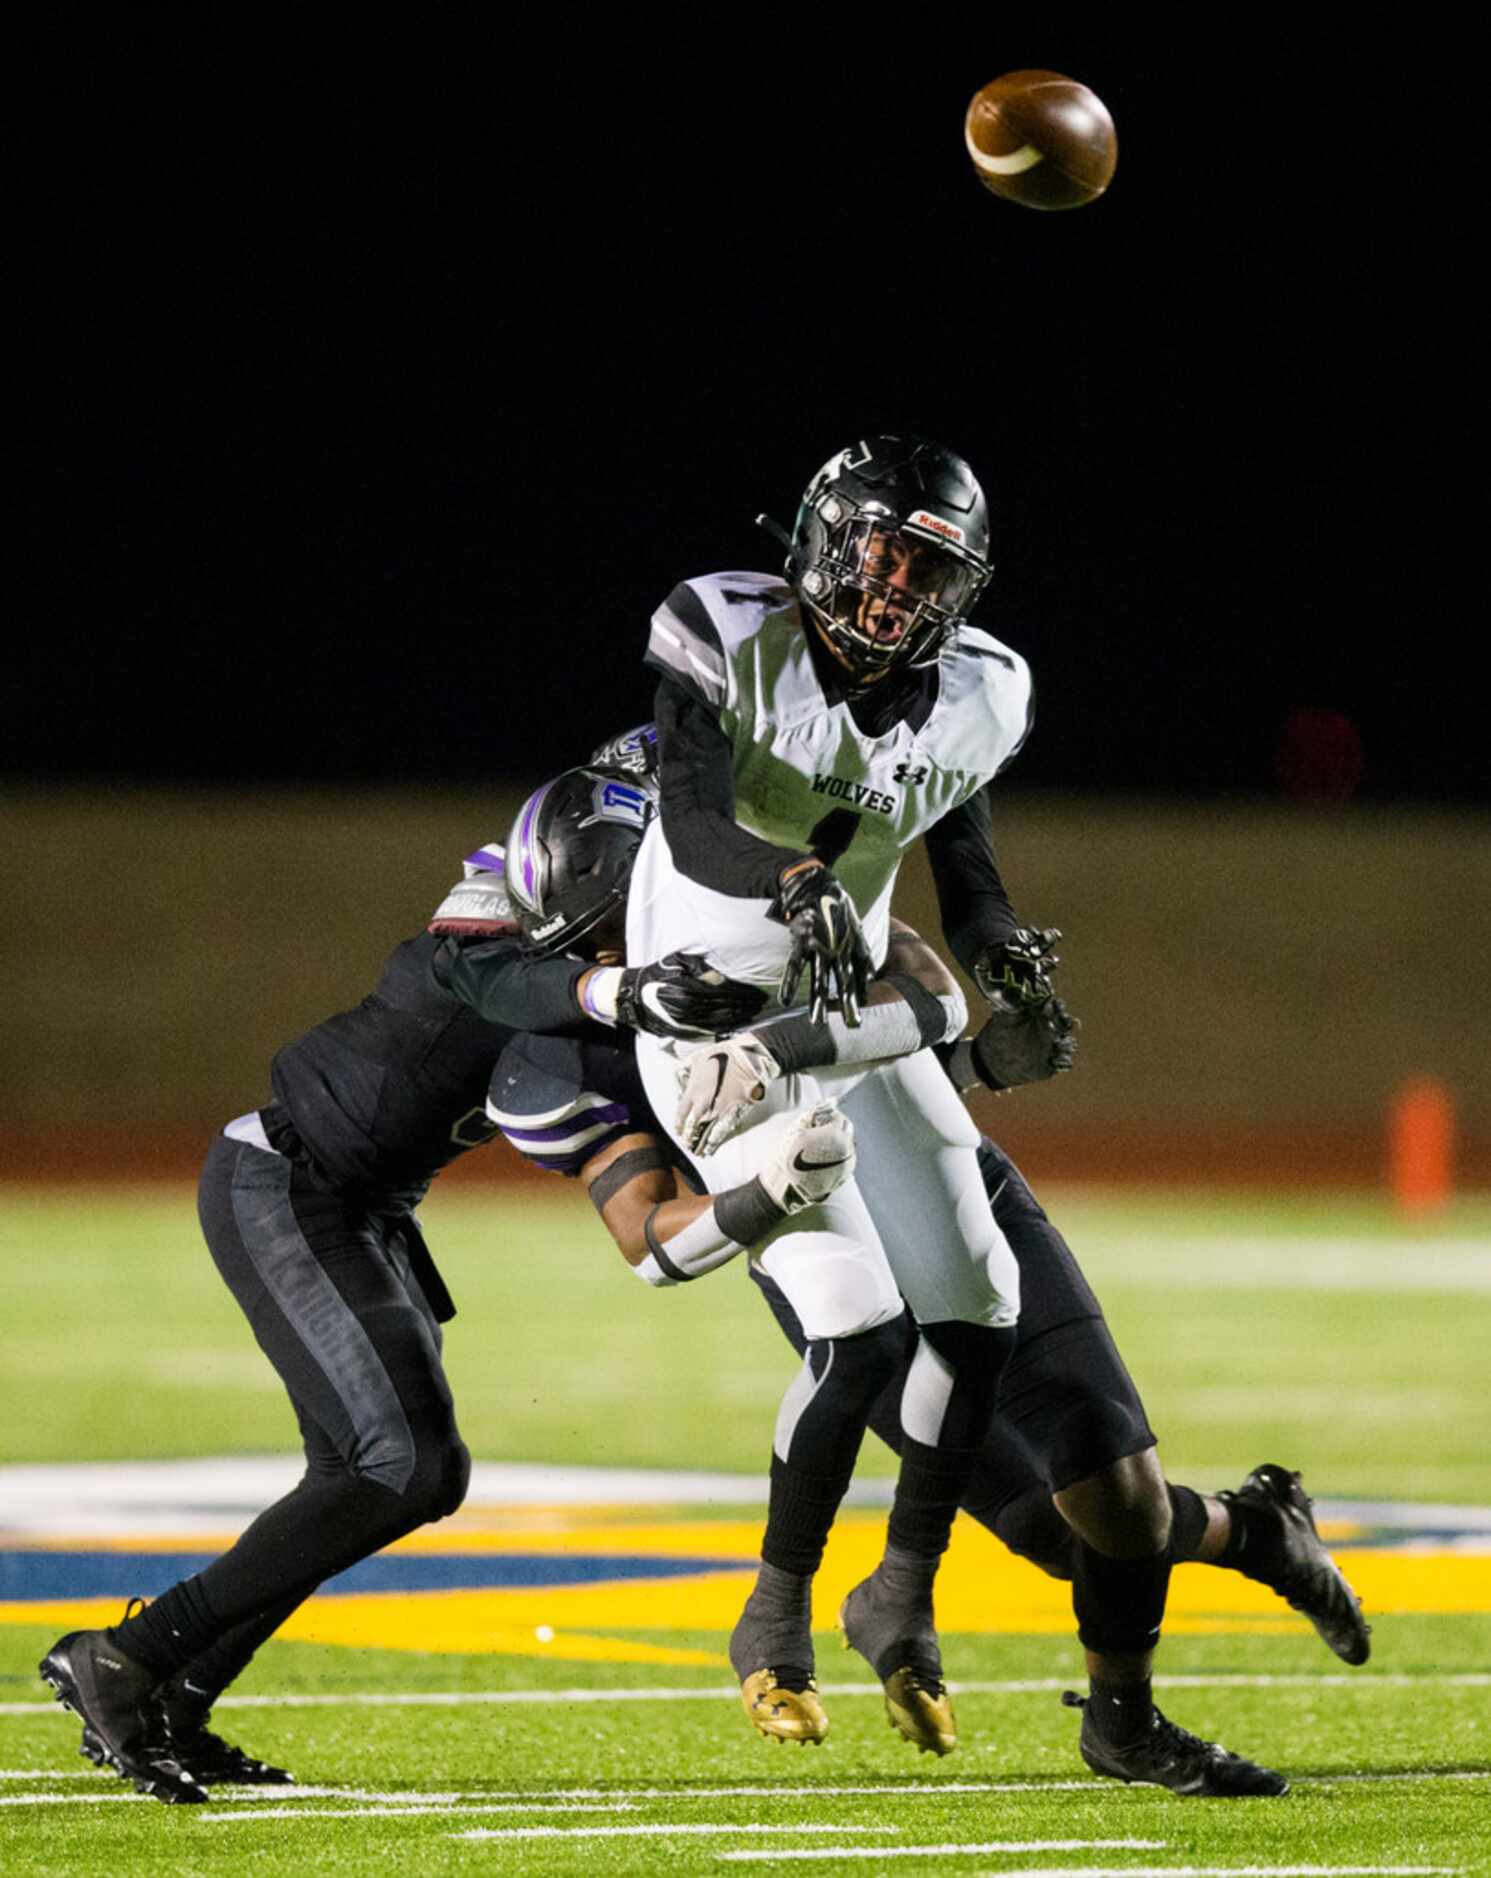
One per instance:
(976,662)
(478,904)
(539,1099)
(697,628)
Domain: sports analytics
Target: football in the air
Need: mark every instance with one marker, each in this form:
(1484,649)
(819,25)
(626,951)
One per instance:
(1040,139)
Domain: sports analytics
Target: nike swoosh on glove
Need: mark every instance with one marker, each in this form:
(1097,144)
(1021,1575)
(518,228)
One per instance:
(813,1159)
(717,1089)
(683,995)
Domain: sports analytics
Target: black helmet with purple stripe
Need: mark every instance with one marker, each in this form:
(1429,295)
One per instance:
(569,859)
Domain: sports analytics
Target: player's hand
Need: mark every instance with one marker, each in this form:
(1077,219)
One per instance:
(682,995)
(814,1159)
(827,944)
(1029,1034)
(717,1089)
(1020,967)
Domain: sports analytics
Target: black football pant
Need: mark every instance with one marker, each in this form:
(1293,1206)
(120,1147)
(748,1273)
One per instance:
(327,1287)
(1066,1407)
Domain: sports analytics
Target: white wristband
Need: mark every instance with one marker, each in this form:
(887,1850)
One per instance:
(651,1273)
(599,997)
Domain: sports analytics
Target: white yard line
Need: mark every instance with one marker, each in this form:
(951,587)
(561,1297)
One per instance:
(56,1773)
(933,1851)
(1111,1871)
(286,1803)
(69,1799)
(549,1832)
(1040,1685)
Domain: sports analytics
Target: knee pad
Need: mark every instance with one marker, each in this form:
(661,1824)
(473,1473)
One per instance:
(1091,1434)
(442,1473)
(456,1478)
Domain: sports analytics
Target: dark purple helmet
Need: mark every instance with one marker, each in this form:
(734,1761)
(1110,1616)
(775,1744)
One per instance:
(569,859)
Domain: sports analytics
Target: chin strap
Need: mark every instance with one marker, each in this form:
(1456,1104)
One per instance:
(775,530)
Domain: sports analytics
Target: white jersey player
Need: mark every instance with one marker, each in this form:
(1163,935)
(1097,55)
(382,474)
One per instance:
(810,729)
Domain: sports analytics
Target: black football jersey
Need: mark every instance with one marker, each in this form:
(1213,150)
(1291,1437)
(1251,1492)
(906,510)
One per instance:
(385,1095)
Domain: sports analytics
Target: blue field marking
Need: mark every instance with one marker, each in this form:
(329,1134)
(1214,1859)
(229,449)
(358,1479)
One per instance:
(52,1576)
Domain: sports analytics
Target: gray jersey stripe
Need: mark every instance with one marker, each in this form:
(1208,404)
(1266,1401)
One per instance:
(800,1392)
(684,651)
(688,608)
(383,1446)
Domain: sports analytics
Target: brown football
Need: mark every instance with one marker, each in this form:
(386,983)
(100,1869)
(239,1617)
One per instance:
(1040,139)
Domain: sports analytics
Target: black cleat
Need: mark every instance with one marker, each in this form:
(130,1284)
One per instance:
(111,1694)
(1309,1578)
(213,1761)
(1168,1756)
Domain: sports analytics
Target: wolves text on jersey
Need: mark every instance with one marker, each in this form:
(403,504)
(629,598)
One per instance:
(843,790)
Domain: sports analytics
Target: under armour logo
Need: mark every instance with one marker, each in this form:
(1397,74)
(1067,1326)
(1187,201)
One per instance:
(906,774)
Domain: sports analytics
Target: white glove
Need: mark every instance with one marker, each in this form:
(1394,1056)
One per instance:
(814,1159)
(717,1089)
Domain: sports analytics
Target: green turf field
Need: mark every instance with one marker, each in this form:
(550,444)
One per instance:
(1313,1328)
(1320,1334)
(1387,1773)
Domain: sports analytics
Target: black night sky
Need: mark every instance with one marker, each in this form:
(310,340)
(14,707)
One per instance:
(376,386)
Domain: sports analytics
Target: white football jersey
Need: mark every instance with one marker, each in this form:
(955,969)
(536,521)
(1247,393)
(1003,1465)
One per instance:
(738,643)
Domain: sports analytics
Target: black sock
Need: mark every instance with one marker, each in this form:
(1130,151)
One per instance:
(1188,1521)
(192,1690)
(1120,1711)
(802,1509)
(170,1631)
(932,1481)
(1119,1602)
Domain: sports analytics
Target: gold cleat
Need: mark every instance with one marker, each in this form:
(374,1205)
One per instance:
(917,1715)
(783,1714)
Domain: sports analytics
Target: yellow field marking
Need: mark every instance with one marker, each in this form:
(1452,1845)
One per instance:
(982,1590)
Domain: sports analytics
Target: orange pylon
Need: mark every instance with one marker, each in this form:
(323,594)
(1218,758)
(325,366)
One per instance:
(1421,1145)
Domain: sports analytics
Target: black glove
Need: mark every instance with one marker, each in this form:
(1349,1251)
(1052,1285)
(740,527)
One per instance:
(827,944)
(1019,966)
(682,995)
(1030,1035)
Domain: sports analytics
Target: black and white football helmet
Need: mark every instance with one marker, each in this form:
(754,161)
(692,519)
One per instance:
(633,753)
(569,859)
(890,551)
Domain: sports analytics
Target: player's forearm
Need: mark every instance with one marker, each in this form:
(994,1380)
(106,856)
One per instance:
(697,782)
(972,902)
(914,1002)
(502,984)
(901,1016)
(670,1240)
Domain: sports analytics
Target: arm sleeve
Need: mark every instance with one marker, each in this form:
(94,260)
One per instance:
(971,899)
(697,778)
(503,985)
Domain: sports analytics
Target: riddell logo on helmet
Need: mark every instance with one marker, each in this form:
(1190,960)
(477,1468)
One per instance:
(549,925)
(936,525)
